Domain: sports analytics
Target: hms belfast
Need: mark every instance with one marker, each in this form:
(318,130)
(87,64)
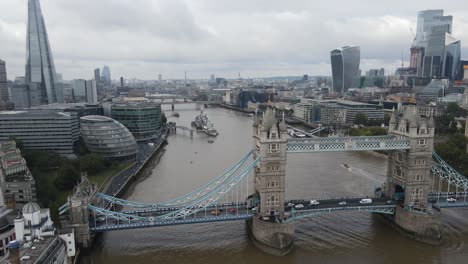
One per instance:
(203,124)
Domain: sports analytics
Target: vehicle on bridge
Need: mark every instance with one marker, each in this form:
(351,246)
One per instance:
(314,202)
(215,212)
(342,203)
(365,201)
(451,200)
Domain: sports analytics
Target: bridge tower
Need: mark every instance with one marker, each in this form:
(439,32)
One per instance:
(409,176)
(79,213)
(270,233)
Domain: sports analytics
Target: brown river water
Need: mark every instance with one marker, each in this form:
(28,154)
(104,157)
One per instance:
(344,237)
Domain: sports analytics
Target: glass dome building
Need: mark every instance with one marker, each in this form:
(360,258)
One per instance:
(107,137)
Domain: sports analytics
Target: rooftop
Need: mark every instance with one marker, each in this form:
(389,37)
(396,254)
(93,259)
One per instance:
(96,118)
(43,114)
(36,251)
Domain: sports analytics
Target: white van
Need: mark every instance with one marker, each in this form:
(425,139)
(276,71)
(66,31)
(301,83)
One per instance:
(365,201)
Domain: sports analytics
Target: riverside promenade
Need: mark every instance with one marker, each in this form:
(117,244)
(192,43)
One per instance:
(117,185)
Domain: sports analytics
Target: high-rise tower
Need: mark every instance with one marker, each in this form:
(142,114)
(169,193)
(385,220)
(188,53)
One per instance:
(345,67)
(106,77)
(40,69)
(3,83)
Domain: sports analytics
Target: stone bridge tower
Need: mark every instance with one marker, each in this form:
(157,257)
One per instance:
(79,213)
(409,176)
(269,230)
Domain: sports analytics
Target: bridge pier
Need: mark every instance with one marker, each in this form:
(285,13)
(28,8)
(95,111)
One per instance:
(409,177)
(272,238)
(426,228)
(271,232)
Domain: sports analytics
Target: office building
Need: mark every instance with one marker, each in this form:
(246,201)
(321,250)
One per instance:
(40,69)
(20,93)
(345,67)
(337,112)
(142,119)
(41,130)
(160,77)
(4,95)
(79,90)
(121,81)
(106,76)
(107,137)
(97,75)
(15,177)
(435,53)
(91,92)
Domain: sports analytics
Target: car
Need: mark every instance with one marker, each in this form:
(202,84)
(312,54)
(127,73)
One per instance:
(299,206)
(215,212)
(254,209)
(290,205)
(232,210)
(451,200)
(365,201)
(314,202)
(389,201)
(342,203)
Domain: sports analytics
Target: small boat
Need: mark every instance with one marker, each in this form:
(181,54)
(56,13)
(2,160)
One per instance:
(345,165)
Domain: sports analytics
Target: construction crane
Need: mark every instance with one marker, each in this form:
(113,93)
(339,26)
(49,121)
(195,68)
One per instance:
(412,33)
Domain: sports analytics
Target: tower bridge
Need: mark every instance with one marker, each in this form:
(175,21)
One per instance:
(412,195)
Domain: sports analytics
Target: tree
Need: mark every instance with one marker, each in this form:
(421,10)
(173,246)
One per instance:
(455,110)
(163,118)
(92,163)
(360,119)
(67,176)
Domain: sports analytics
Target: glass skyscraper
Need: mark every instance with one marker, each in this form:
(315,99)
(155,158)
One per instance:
(345,67)
(40,70)
(3,83)
(106,77)
(435,52)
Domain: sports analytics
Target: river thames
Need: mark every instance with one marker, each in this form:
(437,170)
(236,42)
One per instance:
(345,237)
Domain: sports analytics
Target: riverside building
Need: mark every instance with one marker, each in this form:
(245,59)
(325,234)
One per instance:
(41,130)
(142,119)
(107,137)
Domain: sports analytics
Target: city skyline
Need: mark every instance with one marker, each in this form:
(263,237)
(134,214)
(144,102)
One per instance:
(203,38)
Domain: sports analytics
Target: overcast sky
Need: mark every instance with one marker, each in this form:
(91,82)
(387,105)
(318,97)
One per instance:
(142,38)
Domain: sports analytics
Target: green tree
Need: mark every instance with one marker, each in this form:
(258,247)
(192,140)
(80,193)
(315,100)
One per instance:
(92,163)
(163,118)
(67,176)
(454,152)
(455,110)
(360,119)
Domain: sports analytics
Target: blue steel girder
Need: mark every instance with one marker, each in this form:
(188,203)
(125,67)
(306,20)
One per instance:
(117,215)
(347,144)
(197,206)
(382,209)
(185,199)
(134,225)
(442,169)
(452,205)
(212,197)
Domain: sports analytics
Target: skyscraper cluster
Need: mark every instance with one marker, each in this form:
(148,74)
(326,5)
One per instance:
(435,53)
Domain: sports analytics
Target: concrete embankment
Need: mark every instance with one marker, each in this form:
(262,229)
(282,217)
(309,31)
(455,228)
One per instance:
(120,183)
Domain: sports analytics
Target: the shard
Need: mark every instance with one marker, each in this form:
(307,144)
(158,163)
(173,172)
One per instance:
(40,70)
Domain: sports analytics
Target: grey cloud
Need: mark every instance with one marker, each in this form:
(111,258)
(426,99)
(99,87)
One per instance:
(141,38)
